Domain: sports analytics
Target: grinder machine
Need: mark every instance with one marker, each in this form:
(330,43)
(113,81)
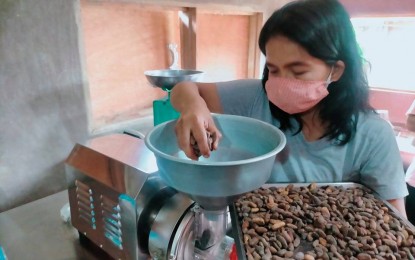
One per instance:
(142,199)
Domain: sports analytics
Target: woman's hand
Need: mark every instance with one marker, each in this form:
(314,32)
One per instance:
(195,125)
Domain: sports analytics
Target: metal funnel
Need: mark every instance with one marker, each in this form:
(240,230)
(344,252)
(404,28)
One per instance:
(243,161)
(166,79)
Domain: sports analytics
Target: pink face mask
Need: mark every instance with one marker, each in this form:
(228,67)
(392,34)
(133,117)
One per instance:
(294,95)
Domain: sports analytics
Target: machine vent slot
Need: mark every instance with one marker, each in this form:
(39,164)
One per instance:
(85,203)
(112,221)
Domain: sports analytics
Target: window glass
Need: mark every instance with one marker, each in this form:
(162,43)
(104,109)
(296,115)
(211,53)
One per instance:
(388,46)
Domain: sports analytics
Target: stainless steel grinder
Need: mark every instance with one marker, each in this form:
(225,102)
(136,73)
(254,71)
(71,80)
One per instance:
(119,202)
(135,204)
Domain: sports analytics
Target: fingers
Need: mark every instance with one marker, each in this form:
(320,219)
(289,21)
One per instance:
(215,135)
(197,135)
(202,146)
(195,146)
(183,139)
(205,141)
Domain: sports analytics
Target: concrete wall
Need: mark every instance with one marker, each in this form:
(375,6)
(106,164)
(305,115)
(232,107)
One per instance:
(42,98)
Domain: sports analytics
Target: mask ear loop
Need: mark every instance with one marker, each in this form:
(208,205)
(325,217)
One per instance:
(328,81)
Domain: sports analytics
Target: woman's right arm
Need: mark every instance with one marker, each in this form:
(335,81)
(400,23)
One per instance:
(195,102)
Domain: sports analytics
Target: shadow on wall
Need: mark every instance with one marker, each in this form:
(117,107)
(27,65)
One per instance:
(5,9)
(32,187)
(39,137)
(42,101)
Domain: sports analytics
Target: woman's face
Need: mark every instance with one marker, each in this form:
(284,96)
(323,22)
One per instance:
(287,59)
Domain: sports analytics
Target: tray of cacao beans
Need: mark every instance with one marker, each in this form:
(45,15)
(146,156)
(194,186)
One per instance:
(319,221)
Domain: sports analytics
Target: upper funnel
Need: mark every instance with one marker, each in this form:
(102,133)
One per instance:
(242,162)
(166,79)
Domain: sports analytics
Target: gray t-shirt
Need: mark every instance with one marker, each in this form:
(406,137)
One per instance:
(371,158)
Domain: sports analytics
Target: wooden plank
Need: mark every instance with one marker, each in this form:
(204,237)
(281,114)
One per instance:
(137,4)
(188,38)
(237,6)
(254,53)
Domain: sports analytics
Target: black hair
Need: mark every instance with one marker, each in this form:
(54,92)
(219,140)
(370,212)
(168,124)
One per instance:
(324,29)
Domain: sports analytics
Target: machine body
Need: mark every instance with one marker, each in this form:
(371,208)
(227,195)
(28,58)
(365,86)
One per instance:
(118,201)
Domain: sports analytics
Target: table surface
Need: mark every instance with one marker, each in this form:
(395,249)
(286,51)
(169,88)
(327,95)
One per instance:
(37,231)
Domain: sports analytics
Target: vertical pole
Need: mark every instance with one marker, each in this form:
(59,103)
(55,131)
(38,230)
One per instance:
(188,38)
(254,54)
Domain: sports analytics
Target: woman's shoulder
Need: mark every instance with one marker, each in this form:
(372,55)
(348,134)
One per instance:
(371,124)
(241,97)
(247,91)
(240,83)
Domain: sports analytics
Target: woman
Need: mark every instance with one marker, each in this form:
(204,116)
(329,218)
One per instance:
(410,172)
(314,89)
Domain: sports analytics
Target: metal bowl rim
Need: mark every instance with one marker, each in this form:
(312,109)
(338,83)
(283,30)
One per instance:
(276,150)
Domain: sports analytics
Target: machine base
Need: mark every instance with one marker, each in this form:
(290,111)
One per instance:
(97,251)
